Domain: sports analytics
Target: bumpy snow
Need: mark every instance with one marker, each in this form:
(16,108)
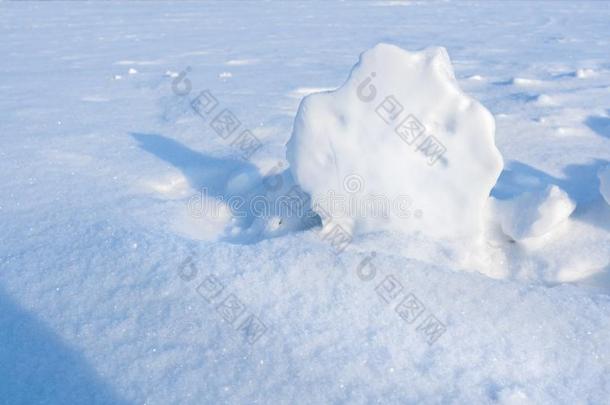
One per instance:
(535,213)
(399,130)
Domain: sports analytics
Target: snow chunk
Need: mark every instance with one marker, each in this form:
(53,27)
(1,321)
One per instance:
(523,82)
(399,129)
(604,183)
(585,73)
(535,213)
(545,100)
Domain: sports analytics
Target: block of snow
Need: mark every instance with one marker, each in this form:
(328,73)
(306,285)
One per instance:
(535,213)
(402,133)
(604,183)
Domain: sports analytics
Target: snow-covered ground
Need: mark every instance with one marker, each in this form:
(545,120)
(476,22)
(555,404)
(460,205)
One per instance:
(116,286)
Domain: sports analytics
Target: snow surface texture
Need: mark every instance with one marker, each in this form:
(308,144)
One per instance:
(535,213)
(97,304)
(604,183)
(399,129)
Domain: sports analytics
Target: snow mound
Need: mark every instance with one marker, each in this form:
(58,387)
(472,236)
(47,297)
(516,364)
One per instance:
(604,183)
(535,213)
(399,146)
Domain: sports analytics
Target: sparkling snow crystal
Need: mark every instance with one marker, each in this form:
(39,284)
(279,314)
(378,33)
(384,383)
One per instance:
(398,146)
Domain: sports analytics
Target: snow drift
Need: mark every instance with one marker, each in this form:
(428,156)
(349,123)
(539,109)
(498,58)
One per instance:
(398,146)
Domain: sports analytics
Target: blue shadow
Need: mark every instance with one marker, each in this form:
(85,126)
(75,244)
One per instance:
(36,367)
(215,175)
(600,125)
(202,171)
(580,181)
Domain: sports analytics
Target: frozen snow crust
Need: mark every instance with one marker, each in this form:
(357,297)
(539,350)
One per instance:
(401,130)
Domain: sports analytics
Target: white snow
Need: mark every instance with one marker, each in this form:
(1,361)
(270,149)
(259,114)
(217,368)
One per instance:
(399,129)
(241,62)
(477,78)
(108,280)
(524,82)
(545,100)
(300,92)
(535,213)
(585,73)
